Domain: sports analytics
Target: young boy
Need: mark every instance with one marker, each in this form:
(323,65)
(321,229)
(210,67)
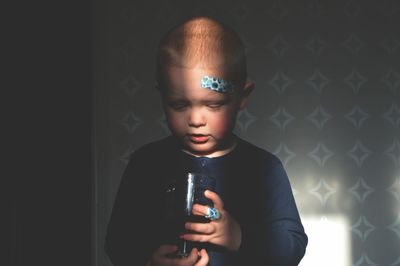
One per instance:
(202,79)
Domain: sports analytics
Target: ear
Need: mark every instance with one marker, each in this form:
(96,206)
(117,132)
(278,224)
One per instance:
(245,93)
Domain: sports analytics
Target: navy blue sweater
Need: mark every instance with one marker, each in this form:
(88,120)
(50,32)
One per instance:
(252,183)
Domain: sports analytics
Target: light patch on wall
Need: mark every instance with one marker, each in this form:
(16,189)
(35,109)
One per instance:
(328,241)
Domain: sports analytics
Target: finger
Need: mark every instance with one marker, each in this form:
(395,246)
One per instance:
(203,258)
(198,209)
(218,203)
(208,212)
(196,237)
(202,228)
(189,260)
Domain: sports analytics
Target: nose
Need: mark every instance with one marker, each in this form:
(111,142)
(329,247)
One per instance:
(196,118)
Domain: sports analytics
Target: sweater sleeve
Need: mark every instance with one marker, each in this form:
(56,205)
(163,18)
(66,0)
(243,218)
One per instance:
(130,229)
(276,236)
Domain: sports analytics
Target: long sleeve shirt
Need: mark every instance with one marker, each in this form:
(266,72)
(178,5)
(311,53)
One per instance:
(251,182)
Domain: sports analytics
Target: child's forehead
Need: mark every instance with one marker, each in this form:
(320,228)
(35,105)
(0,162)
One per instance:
(182,80)
(194,94)
(192,91)
(194,70)
(197,77)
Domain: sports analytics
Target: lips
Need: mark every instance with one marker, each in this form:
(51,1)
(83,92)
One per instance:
(198,138)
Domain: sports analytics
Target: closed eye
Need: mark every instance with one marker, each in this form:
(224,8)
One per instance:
(177,105)
(216,105)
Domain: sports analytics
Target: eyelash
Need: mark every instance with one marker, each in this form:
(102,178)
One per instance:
(177,106)
(181,106)
(214,105)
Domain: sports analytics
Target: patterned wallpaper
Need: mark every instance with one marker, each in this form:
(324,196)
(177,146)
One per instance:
(327,103)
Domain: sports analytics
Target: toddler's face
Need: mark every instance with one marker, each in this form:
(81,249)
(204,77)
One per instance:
(201,118)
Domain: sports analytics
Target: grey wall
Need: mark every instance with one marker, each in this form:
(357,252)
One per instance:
(327,102)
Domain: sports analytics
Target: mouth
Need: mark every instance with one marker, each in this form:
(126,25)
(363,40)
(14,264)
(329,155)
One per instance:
(198,138)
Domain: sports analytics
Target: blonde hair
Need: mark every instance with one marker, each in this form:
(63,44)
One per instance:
(203,42)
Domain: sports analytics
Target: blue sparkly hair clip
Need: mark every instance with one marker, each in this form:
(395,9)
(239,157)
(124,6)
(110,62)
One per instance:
(216,84)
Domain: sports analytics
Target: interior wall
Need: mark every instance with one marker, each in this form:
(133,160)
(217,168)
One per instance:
(326,101)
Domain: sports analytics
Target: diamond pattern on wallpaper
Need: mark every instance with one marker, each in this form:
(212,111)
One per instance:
(131,121)
(394,152)
(281,118)
(323,191)
(355,80)
(352,8)
(284,153)
(393,115)
(360,190)
(131,85)
(277,10)
(394,189)
(357,116)
(366,69)
(314,8)
(390,43)
(359,153)
(395,227)
(391,80)
(321,154)
(364,260)
(318,81)
(162,121)
(316,45)
(278,45)
(362,228)
(248,47)
(319,117)
(280,82)
(125,157)
(353,44)
(245,119)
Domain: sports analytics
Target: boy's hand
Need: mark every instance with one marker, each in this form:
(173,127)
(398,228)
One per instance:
(160,257)
(225,231)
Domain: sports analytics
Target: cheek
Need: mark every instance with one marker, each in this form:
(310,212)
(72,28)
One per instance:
(224,123)
(175,122)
